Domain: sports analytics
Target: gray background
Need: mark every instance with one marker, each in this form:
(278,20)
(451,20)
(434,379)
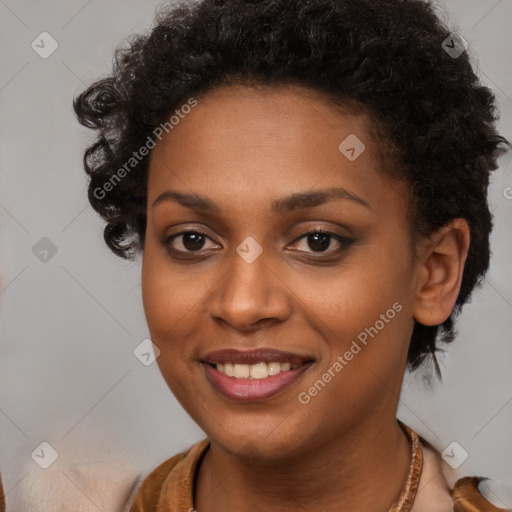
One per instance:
(69,326)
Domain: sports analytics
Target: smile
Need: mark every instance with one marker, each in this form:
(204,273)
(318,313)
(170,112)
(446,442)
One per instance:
(253,375)
(254,371)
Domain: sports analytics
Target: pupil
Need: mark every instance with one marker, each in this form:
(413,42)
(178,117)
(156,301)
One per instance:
(193,241)
(319,240)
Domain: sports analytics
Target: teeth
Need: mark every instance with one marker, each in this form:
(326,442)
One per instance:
(228,369)
(259,371)
(254,371)
(242,371)
(274,368)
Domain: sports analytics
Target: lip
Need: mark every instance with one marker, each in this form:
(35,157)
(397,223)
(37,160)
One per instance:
(254,356)
(252,390)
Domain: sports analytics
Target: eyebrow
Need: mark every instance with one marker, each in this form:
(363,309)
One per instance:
(297,201)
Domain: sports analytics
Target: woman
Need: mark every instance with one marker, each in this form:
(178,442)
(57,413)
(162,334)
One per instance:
(307,182)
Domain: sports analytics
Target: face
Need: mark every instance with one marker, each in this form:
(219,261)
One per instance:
(279,275)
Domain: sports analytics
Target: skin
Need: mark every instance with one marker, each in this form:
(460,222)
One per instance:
(244,148)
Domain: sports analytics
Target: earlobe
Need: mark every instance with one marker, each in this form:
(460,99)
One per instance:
(440,269)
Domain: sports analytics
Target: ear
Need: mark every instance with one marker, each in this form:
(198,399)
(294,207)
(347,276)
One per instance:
(440,267)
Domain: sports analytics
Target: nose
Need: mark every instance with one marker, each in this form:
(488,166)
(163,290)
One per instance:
(250,295)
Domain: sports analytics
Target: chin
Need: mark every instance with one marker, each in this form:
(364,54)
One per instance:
(264,440)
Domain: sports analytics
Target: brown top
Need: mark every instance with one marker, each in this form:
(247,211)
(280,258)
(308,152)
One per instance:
(170,487)
(2,497)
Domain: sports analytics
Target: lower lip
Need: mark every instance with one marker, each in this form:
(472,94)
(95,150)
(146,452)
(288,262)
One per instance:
(250,390)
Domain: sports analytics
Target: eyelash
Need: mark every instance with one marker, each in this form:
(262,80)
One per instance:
(344,242)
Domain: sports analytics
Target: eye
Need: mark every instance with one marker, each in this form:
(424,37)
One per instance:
(192,242)
(319,240)
(186,241)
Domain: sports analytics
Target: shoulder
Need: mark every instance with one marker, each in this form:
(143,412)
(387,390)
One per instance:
(173,478)
(442,489)
(478,493)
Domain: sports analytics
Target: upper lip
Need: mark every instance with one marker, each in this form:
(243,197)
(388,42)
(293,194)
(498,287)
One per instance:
(254,356)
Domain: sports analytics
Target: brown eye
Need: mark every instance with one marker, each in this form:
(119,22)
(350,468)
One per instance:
(186,241)
(318,241)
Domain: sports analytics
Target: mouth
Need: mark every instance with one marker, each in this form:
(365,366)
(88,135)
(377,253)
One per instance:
(253,375)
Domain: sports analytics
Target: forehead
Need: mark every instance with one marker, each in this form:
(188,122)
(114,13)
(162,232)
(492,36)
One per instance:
(261,140)
(271,115)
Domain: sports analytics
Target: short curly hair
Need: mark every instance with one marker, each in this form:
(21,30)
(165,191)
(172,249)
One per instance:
(385,57)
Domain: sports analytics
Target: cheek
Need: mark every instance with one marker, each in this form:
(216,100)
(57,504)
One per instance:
(165,299)
(364,314)
(174,299)
(168,305)
(354,297)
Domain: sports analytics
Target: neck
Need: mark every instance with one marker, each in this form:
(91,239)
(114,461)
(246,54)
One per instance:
(360,470)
